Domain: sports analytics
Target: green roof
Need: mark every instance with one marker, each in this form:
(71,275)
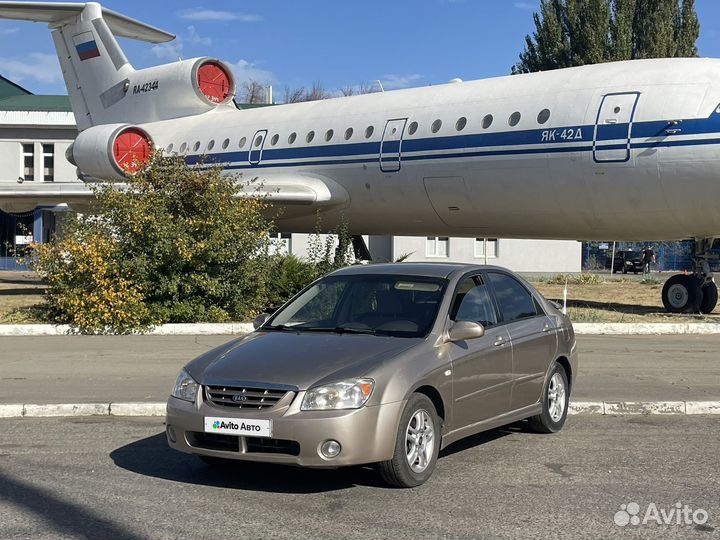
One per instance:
(36,103)
(9,88)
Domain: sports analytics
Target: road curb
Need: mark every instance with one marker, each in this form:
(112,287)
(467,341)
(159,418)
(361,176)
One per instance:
(172,329)
(608,408)
(218,329)
(646,329)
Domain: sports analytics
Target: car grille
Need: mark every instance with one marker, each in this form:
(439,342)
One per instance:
(243,397)
(231,443)
(272,446)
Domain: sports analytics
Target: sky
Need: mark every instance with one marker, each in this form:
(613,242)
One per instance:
(339,43)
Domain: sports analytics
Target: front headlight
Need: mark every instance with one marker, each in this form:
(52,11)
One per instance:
(350,394)
(185,387)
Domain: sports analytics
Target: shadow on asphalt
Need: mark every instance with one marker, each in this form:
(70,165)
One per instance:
(153,457)
(65,518)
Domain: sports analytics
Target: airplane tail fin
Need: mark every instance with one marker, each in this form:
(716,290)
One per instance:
(94,66)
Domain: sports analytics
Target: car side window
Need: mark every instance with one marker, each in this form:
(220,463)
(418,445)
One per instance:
(472,302)
(514,300)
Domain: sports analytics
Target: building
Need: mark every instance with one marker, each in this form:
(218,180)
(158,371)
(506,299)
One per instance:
(35,132)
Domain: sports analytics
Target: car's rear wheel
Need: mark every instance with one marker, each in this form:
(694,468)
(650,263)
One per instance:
(555,399)
(416,445)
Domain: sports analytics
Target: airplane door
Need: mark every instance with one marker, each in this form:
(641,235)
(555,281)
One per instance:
(257,147)
(391,144)
(611,142)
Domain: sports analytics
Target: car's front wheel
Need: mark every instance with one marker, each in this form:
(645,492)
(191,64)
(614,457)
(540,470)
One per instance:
(416,445)
(555,399)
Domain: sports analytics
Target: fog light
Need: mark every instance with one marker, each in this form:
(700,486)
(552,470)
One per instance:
(330,449)
(171,434)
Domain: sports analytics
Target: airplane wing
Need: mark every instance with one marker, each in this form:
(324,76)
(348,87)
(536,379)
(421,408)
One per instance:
(278,189)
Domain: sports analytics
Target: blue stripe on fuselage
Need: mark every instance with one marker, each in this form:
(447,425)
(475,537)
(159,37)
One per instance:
(474,145)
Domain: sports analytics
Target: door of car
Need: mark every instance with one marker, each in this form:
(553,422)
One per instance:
(481,367)
(532,334)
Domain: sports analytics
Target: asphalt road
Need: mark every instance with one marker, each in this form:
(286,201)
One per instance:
(82,369)
(116,478)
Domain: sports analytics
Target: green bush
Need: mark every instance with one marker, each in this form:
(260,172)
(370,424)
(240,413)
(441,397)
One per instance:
(175,244)
(289,276)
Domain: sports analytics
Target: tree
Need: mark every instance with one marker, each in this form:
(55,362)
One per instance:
(251,91)
(173,245)
(577,32)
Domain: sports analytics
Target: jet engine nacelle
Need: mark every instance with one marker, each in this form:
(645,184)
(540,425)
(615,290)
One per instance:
(110,151)
(175,90)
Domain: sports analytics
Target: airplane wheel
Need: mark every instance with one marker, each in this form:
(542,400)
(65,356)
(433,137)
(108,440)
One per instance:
(682,294)
(709,299)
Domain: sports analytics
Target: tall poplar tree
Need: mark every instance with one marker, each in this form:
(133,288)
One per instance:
(577,32)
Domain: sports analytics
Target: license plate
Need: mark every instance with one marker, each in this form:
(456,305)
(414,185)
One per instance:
(238,426)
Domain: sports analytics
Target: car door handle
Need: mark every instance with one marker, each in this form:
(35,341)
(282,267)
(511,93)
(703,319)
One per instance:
(499,341)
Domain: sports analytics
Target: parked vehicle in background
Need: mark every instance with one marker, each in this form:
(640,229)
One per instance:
(626,261)
(380,364)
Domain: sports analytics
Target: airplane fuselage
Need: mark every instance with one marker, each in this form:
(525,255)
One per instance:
(629,150)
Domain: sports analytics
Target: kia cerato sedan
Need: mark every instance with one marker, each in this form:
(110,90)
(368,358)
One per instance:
(380,364)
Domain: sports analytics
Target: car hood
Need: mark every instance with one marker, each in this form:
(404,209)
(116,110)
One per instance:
(301,359)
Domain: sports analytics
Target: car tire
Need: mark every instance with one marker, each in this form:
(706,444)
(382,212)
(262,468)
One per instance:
(554,401)
(419,426)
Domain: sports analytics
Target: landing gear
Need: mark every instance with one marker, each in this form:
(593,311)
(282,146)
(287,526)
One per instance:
(696,292)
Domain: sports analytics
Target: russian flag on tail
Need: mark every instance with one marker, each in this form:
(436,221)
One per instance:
(85,46)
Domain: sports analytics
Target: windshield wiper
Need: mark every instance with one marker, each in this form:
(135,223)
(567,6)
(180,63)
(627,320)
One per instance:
(340,330)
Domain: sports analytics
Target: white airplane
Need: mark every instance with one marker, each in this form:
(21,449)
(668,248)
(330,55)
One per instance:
(624,151)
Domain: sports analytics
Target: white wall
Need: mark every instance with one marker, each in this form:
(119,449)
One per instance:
(11,158)
(515,254)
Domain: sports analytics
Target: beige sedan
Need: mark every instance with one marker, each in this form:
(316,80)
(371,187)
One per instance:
(380,364)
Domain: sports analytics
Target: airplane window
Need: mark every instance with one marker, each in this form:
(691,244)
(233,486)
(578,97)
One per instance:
(514,119)
(369,131)
(211,144)
(543,116)
(226,143)
(242,142)
(461,123)
(292,137)
(487,121)
(617,110)
(183,147)
(196,146)
(348,133)
(436,125)
(412,128)
(310,136)
(258,140)
(169,148)
(275,139)
(329,134)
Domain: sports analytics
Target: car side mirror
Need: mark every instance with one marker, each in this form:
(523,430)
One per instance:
(260,320)
(462,330)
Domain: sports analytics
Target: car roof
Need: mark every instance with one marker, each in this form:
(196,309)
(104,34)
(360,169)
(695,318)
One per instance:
(427,269)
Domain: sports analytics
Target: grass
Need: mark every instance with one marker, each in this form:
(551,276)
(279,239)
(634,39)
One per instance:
(591,298)
(21,295)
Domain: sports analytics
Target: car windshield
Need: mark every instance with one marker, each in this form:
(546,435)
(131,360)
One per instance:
(396,305)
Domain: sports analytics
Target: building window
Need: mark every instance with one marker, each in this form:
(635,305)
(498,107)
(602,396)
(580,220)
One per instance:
(281,243)
(28,162)
(48,162)
(437,246)
(492,247)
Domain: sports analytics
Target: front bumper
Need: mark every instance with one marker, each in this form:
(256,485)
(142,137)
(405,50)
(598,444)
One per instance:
(366,435)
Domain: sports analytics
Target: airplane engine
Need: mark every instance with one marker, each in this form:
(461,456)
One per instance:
(183,88)
(110,151)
